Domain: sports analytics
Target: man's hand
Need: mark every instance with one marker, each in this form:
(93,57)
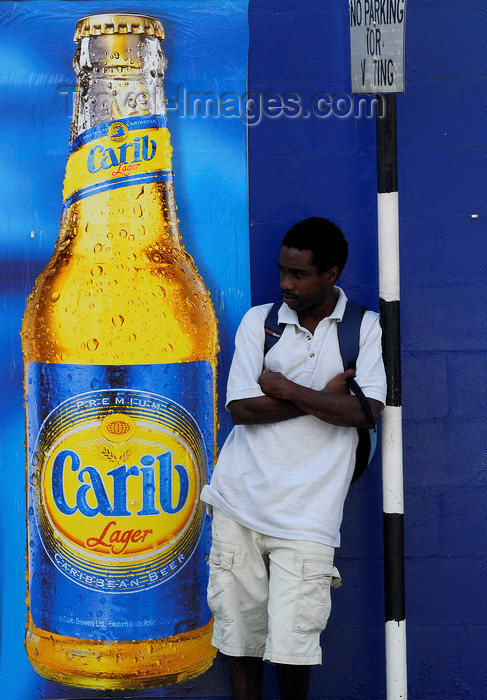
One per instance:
(274,384)
(333,404)
(338,385)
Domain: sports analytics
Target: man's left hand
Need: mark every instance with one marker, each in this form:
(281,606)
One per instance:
(339,384)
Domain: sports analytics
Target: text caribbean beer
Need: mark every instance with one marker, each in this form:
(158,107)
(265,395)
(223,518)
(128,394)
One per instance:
(119,339)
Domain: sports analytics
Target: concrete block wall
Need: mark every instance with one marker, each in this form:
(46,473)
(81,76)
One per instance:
(301,166)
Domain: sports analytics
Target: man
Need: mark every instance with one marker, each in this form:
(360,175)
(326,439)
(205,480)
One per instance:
(281,479)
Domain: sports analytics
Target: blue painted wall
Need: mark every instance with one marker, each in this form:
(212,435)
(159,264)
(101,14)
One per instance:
(310,166)
(301,166)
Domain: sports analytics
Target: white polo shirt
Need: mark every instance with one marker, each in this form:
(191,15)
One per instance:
(289,479)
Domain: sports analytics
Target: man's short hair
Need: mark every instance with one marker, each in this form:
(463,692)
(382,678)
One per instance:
(323,238)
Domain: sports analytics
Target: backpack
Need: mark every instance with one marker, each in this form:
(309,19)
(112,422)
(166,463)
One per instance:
(349,340)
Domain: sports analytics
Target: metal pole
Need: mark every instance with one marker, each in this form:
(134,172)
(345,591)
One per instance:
(392,467)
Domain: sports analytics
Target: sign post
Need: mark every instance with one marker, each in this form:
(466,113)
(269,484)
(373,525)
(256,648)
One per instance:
(377,61)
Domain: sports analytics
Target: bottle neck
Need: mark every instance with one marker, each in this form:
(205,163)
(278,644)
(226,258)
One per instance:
(119,173)
(118,76)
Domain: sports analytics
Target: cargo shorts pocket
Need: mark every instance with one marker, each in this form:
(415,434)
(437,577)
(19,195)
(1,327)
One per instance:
(313,604)
(220,583)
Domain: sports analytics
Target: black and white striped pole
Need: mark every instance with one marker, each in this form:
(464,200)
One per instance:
(392,466)
(377,33)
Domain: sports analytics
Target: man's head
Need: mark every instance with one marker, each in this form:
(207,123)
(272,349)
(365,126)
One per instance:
(323,238)
(313,254)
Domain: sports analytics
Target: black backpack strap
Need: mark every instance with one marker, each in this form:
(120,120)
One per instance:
(362,398)
(348,330)
(272,328)
(362,453)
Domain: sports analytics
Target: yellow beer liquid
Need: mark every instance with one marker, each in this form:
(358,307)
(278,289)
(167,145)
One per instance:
(120,289)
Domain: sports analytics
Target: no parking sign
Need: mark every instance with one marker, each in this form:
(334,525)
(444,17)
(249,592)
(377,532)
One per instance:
(377,45)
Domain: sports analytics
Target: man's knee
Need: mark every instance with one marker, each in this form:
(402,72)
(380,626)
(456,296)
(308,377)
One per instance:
(246,674)
(293,681)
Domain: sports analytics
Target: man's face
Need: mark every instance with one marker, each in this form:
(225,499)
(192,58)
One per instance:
(303,288)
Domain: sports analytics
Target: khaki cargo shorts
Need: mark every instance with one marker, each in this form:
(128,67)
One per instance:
(270,597)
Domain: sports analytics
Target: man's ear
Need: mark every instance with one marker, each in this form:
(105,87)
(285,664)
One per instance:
(332,274)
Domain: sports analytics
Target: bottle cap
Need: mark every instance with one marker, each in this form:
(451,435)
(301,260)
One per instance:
(96,25)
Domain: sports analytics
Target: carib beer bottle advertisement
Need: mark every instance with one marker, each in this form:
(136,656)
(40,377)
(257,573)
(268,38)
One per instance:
(124,265)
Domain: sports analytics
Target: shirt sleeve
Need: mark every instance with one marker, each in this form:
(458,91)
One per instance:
(248,358)
(370,374)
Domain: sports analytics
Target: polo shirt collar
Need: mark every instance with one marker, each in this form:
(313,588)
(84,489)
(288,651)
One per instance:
(287,315)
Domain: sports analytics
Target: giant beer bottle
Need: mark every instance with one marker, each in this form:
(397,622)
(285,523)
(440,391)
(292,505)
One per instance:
(119,340)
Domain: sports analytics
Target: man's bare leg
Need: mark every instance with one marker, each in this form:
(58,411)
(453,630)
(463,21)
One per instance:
(293,681)
(246,673)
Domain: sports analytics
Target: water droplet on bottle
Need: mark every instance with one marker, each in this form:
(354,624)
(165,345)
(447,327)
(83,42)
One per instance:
(118,321)
(55,296)
(96,270)
(132,337)
(92,344)
(123,233)
(97,248)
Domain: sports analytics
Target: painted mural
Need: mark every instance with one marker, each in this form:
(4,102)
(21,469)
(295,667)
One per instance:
(119,334)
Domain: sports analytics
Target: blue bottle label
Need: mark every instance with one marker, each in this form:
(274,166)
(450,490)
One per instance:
(118,537)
